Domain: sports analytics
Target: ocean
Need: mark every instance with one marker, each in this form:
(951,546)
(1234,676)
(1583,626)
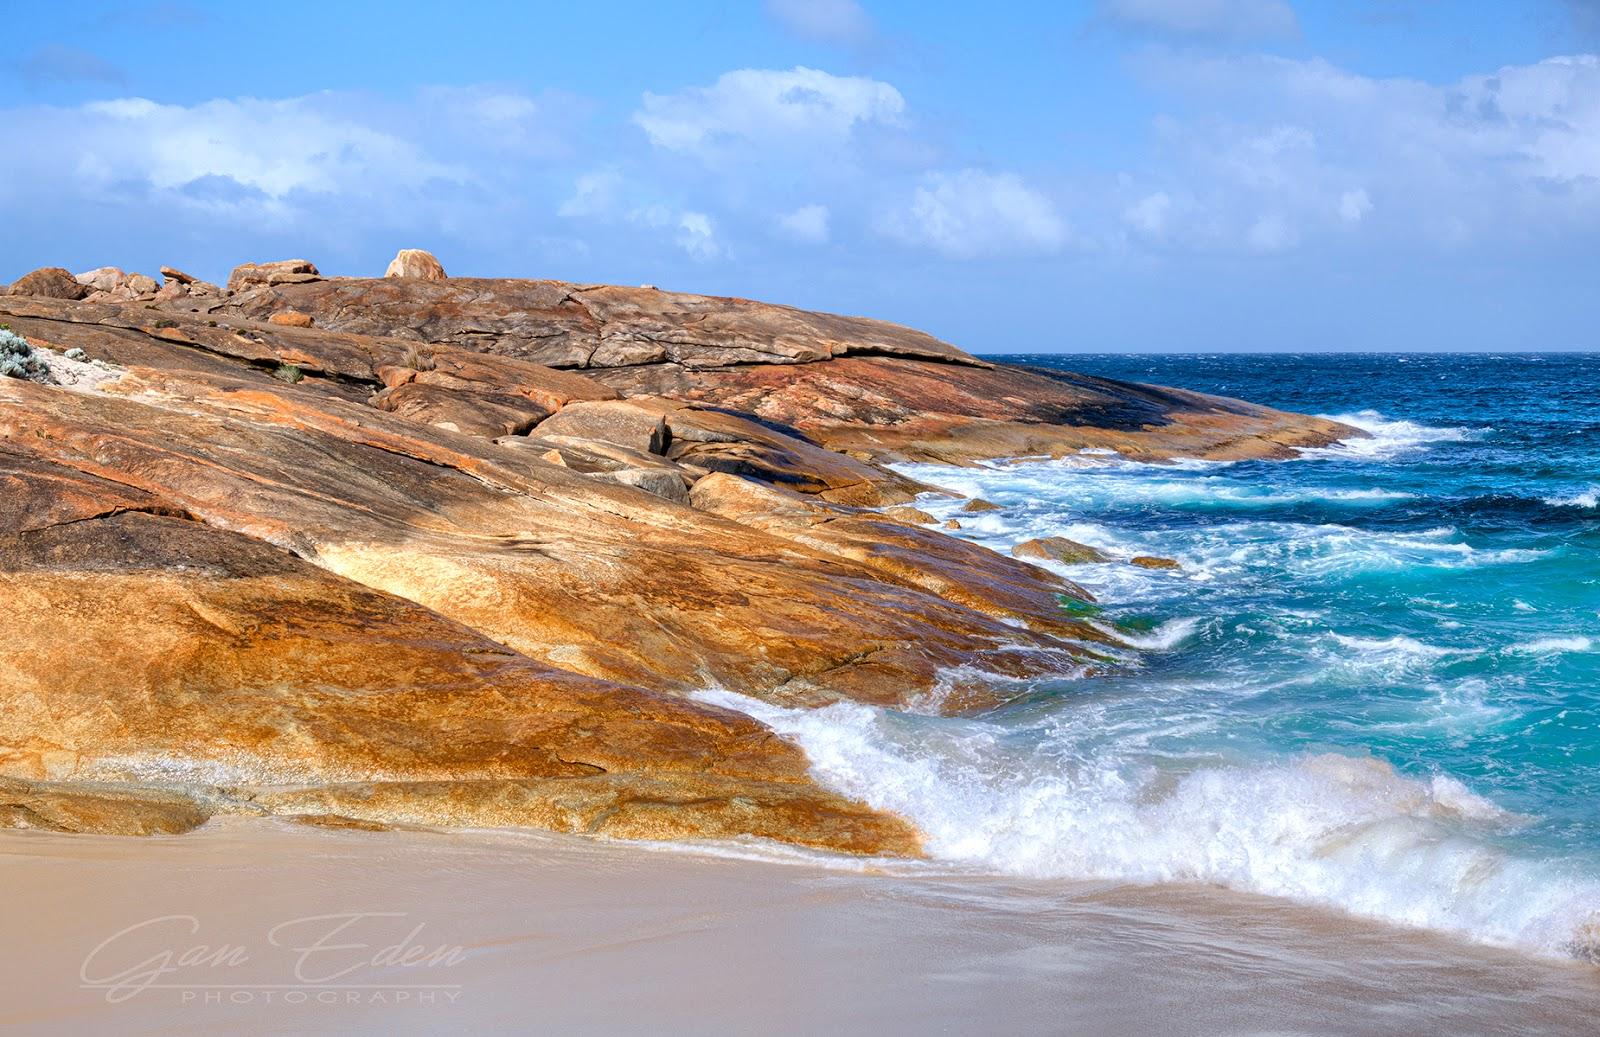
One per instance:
(1373,685)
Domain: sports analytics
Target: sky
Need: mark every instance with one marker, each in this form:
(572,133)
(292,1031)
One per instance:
(1100,176)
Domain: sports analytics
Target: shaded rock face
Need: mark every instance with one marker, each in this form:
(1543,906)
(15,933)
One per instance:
(466,566)
(50,282)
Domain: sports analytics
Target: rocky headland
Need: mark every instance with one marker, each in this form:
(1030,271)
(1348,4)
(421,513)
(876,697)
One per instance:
(457,551)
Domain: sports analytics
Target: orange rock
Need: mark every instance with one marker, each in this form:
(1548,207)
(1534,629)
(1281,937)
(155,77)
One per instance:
(291,319)
(1059,549)
(225,670)
(414,262)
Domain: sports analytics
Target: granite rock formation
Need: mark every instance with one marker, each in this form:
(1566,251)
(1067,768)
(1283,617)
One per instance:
(460,551)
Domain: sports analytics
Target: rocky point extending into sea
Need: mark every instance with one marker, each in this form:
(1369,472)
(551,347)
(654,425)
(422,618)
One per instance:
(457,551)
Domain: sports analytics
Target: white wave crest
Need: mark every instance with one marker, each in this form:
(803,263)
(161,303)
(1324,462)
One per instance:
(1589,498)
(1385,439)
(1339,831)
(1553,646)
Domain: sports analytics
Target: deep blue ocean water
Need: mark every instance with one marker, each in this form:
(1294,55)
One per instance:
(1374,685)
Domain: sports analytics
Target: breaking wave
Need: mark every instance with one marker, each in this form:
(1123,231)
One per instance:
(1331,830)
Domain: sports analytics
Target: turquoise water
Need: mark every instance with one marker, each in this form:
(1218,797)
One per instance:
(1374,684)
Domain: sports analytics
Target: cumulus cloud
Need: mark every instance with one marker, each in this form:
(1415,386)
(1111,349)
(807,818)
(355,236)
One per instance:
(971,213)
(792,110)
(827,21)
(1236,19)
(273,147)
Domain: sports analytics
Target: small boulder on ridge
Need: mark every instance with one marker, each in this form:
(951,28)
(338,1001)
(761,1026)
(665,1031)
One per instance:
(415,262)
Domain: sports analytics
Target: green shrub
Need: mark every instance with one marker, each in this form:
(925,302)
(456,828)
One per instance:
(288,373)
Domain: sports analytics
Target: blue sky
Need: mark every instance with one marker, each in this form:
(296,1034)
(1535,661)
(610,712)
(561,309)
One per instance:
(1101,176)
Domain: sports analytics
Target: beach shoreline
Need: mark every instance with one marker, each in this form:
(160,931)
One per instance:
(561,932)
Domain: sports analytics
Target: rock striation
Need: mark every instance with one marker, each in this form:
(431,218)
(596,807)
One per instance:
(459,551)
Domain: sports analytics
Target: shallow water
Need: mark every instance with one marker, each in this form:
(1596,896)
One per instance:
(1372,686)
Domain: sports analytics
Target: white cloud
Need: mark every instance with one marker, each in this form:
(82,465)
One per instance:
(971,213)
(1354,206)
(696,236)
(1240,19)
(594,194)
(1149,215)
(829,21)
(1494,157)
(795,110)
(272,147)
(809,223)
(603,196)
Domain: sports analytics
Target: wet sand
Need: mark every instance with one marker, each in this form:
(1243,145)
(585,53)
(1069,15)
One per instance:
(562,934)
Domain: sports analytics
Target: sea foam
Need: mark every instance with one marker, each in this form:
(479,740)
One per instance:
(1332,830)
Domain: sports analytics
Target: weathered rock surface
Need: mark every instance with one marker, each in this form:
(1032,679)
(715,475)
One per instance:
(240,672)
(893,408)
(440,579)
(284,271)
(1059,549)
(414,262)
(885,391)
(618,422)
(474,413)
(569,325)
(103,279)
(50,282)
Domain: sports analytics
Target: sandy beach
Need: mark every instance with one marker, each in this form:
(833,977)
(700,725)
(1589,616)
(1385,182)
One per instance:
(265,927)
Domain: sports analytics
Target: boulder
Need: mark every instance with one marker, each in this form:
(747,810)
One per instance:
(588,455)
(666,484)
(464,411)
(1059,549)
(284,271)
(140,285)
(620,422)
(1153,562)
(104,278)
(174,274)
(171,291)
(291,319)
(50,282)
(914,516)
(978,505)
(414,262)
